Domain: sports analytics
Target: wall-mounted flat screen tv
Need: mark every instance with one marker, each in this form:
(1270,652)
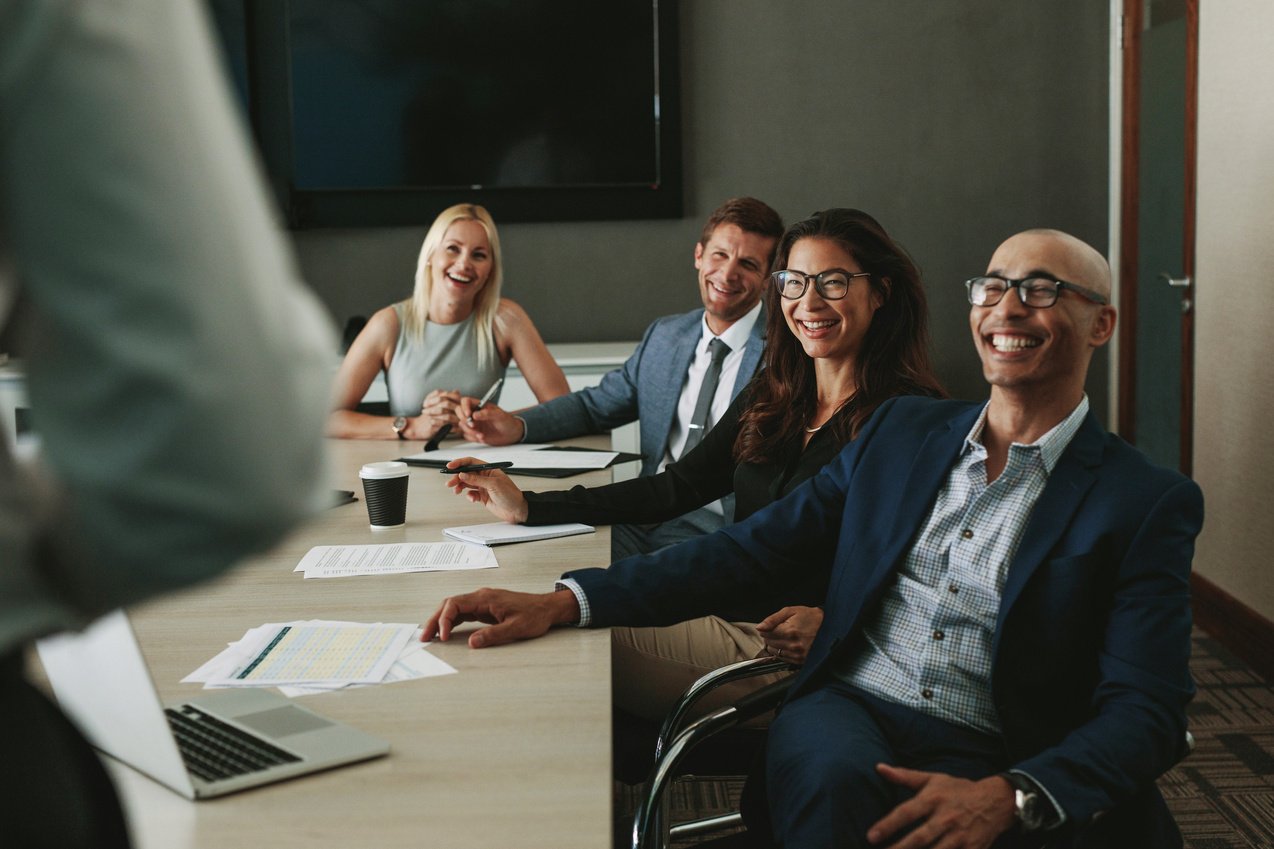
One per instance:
(382,112)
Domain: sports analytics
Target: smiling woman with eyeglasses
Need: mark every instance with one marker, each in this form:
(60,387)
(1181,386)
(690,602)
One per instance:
(846,329)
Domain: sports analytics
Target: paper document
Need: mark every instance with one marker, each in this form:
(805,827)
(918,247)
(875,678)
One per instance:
(412,661)
(500,533)
(521,456)
(343,561)
(336,653)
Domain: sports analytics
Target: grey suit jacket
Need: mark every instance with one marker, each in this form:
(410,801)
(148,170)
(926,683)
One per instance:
(645,388)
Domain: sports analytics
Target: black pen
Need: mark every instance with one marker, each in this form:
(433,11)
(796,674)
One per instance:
(480,467)
(432,444)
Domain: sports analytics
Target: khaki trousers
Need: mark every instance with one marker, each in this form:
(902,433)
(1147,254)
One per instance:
(652,667)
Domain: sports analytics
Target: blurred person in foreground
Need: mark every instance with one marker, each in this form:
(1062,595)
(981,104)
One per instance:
(177,371)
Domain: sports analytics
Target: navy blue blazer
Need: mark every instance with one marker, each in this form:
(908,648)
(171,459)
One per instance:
(1090,655)
(645,388)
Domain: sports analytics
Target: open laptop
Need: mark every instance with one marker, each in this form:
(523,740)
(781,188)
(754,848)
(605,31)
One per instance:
(220,742)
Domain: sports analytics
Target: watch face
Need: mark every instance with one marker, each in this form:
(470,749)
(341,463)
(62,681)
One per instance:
(1029,810)
(399,424)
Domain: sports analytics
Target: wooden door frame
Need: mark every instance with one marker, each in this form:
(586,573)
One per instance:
(1132,22)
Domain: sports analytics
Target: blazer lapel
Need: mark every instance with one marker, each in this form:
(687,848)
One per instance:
(929,469)
(1069,481)
(670,375)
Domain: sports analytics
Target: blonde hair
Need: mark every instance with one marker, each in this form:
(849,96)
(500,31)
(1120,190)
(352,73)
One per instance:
(487,301)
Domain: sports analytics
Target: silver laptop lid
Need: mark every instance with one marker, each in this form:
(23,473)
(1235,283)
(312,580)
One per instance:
(102,682)
(100,678)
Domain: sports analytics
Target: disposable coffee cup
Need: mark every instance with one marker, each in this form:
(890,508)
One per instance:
(385,491)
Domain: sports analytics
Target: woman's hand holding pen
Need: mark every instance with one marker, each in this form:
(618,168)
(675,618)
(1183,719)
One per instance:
(492,489)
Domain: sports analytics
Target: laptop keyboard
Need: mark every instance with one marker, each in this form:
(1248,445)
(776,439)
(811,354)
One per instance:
(214,750)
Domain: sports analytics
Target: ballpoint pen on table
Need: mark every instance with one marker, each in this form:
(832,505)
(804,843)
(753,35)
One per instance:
(479,467)
(432,444)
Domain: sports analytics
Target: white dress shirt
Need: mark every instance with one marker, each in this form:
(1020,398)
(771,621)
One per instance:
(736,337)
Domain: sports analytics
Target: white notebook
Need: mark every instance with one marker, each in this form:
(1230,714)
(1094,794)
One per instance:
(501,533)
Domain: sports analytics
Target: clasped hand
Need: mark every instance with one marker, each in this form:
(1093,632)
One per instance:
(789,633)
(440,408)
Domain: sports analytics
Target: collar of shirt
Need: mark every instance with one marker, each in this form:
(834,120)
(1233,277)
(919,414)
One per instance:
(736,335)
(1050,445)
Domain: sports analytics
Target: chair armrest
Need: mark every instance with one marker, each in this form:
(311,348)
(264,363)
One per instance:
(726,674)
(723,719)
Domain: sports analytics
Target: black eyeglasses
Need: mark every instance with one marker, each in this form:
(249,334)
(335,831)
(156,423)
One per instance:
(832,284)
(1036,292)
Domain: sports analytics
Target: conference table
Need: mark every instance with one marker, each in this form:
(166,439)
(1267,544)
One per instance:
(514,750)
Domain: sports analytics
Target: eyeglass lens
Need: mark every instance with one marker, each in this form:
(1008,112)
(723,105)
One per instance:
(1034,291)
(832,285)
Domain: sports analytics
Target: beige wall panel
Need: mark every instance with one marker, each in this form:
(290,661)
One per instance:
(1234,402)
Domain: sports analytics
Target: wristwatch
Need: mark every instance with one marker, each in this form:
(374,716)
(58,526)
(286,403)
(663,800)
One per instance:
(399,425)
(1030,806)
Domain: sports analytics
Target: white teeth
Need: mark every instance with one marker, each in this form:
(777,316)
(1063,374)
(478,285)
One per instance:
(818,325)
(1004,342)
(460,279)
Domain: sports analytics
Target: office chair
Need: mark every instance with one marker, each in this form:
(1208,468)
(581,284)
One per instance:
(678,738)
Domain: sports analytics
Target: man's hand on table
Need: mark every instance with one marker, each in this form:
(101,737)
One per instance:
(511,616)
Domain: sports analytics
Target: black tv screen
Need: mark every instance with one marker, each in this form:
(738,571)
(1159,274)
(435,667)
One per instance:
(379,112)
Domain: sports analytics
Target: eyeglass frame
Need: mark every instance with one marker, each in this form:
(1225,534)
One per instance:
(816,279)
(1058,285)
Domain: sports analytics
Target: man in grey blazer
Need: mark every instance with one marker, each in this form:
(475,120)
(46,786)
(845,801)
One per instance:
(660,384)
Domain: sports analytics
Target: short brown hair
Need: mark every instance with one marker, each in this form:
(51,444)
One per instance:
(749,215)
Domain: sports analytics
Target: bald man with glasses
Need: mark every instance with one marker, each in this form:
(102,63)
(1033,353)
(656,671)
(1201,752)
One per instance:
(1004,655)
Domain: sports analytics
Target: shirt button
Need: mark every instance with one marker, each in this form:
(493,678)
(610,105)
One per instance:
(953,589)
(927,693)
(966,534)
(938,635)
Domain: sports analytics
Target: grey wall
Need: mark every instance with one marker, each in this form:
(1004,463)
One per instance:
(954,123)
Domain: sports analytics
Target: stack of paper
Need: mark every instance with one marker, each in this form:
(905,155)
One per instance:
(341,561)
(317,656)
(500,533)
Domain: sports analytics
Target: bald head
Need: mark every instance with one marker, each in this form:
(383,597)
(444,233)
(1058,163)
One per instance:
(1067,257)
(1036,358)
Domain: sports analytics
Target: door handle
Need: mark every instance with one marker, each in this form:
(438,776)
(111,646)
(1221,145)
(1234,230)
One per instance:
(1183,282)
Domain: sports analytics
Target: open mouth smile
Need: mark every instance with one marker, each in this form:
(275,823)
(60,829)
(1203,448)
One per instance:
(1010,343)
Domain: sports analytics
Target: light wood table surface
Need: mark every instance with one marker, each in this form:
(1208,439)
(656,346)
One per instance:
(512,751)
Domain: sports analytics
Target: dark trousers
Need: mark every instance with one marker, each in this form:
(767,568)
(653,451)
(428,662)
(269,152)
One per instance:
(628,540)
(821,779)
(54,792)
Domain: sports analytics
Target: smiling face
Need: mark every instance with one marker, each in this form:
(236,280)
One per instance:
(462,263)
(1043,353)
(829,330)
(732,273)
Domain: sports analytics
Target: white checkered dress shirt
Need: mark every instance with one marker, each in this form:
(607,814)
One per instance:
(929,644)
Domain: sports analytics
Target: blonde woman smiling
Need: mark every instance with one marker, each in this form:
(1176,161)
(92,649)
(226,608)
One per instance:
(453,338)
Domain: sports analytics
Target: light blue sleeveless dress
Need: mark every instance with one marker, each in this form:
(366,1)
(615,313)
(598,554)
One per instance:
(445,358)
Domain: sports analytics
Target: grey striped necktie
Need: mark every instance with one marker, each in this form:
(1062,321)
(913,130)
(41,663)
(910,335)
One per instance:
(699,422)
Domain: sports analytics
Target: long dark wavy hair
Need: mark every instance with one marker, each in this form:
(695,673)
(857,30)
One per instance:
(893,358)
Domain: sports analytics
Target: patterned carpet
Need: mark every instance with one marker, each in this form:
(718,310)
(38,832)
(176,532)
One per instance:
(1222,795)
